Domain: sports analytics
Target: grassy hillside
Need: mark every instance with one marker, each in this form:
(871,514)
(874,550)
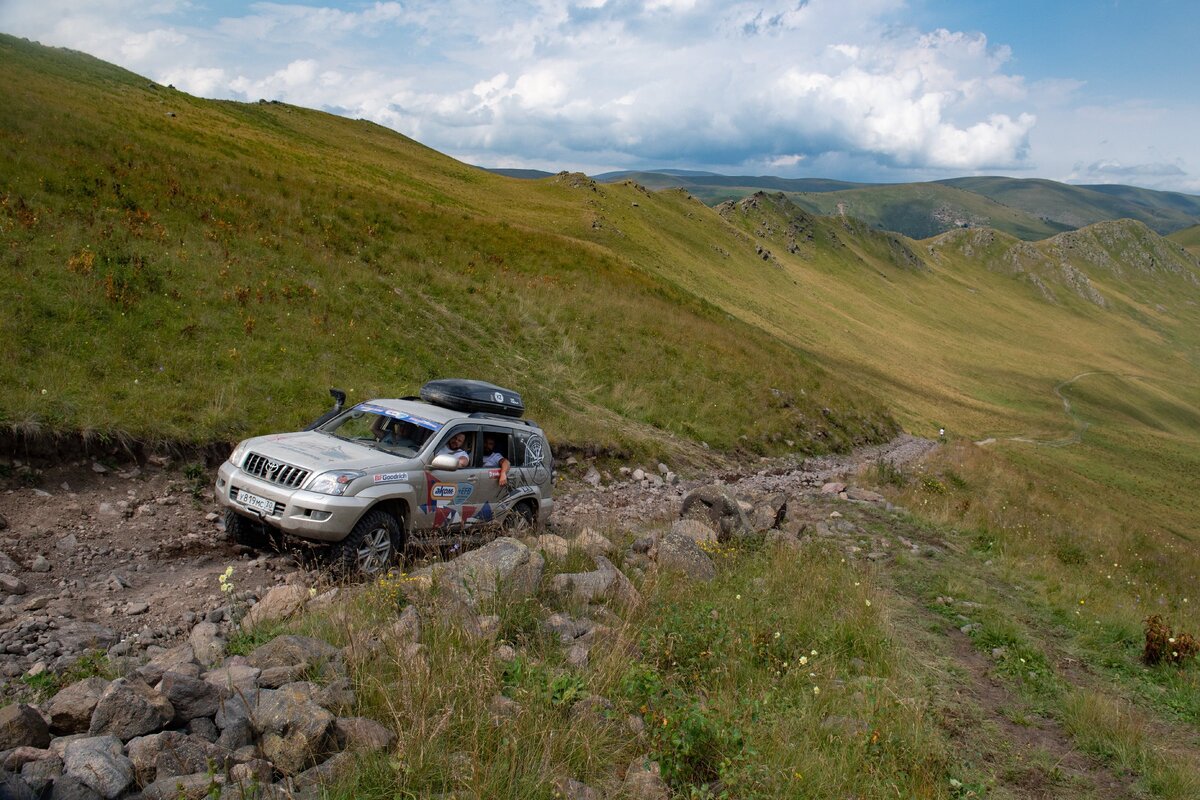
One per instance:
(1076,206)
(714,189)
(1188,238)
(195,270)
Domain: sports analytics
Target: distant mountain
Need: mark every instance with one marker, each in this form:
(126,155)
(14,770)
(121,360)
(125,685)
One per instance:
(1076,206)
(1029,209)
(527,174)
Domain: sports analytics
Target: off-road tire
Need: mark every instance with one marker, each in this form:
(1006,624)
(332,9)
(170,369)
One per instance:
(521,520)
(244,531)
(371,547)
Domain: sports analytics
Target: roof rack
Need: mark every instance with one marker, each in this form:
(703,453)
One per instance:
(501,418)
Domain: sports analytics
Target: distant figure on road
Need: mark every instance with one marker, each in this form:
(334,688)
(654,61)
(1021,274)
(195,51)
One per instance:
(941,433)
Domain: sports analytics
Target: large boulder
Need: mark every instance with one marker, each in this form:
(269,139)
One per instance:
(291,651)
(503,565)
(190,697)
(181,754)
(718,506)
(294,730)
(13,787)
(768,510)
(40,774)
(360,733)
(70,710)
(696,530)
(181,660)
(22,726)
(100,763)
(678,553)
(130,708)
(280,603)
(643,781)
(606,582)
(592,543)
(207,644)
(185,787)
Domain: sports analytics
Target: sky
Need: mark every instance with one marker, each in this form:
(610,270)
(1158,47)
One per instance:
(1099,91)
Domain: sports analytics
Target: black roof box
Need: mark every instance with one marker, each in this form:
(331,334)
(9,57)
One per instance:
(467,395)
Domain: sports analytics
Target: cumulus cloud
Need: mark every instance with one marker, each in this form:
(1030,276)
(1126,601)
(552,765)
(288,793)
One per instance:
(596,83)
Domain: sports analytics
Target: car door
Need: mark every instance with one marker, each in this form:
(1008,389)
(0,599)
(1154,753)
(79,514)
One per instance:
(457,497)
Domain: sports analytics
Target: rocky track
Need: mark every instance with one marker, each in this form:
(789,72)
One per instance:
(128,559)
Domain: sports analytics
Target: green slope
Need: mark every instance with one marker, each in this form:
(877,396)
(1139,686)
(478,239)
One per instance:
(192,270)
(1188,238)
(714,189)
(1076,206)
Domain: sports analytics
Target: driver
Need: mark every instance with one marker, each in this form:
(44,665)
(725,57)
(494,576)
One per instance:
(454,447)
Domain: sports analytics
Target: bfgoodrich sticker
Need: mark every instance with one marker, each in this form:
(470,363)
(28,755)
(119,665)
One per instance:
(391,477)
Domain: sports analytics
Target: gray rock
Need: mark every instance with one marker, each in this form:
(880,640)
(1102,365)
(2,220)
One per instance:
(10,584)
(190,697)
(717,505)
(408,627)
(479,575)
(325,773)
(181,660)
(236,734)
(864,495)
(503,709)
(136,608)
(13,787)
(606,582)
(40,564)
(13,760)
(68,787)
(592,543)
(77,636)
(678,553)
(234,679)
(294,729)
(185,755)
(130,708)
(22,726)
(290,651)
(207,644)
(694,529)
(40,774)
(592,477)
(577,656)
(70,710)
(280,603)
(571,789)
(566,627)
(643,780)
(360,733)
(100,763)
(274,677)
(142,752)
(205,728)
(552,545)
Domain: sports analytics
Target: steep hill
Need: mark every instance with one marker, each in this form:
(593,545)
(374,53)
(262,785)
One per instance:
(193,270)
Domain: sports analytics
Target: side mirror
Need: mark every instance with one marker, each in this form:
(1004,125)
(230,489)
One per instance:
(444,461)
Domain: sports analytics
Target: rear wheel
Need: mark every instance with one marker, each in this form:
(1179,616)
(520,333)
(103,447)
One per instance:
(371,546)
(520,520)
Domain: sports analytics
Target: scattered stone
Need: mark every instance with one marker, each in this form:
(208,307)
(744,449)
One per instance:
(22,726)
(129,708)
(190,697)
(183,787)
(408,627)
(40,774)
(477,576)
(592,477)
(12,585)
(678,553)
(643,780)
(294,730)
(290,651)
(134,609)
(577,656)
(717,505)
(100,763)
(40,564)
(207,644)
(571,789)
(501,709)
(693,529)
(554,546)
(833,487)
(864,496)
(280,603)
(360,733)
(606,582)
(70,710)
(592,543)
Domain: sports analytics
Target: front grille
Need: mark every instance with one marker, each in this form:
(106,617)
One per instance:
(274,471)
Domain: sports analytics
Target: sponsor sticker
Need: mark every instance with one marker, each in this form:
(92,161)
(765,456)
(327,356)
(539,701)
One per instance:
(443,491)
(390,477)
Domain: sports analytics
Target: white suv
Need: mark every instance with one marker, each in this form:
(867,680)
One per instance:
(373,478)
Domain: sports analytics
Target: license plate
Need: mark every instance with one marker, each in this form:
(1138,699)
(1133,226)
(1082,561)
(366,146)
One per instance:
(254,501)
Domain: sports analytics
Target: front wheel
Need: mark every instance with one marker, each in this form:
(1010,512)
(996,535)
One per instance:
(371,546)
(245,531)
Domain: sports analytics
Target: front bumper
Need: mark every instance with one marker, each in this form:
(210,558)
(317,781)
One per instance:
(308,515)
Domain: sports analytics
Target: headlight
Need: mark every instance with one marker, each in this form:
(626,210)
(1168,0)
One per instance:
(334,483)
(235,457)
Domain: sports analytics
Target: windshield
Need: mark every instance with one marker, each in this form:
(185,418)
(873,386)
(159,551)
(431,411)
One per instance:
(382,428)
